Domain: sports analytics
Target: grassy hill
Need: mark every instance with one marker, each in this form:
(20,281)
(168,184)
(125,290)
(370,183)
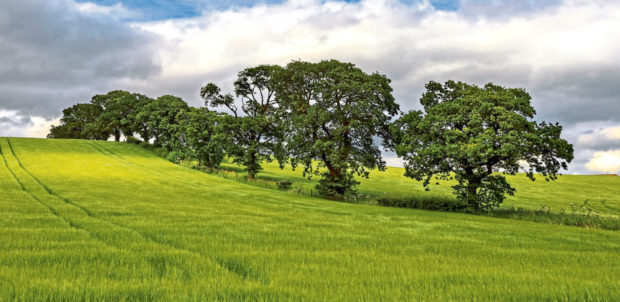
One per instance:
(83,220)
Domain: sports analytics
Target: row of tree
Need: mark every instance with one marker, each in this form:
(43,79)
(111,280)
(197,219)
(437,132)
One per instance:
(330,118)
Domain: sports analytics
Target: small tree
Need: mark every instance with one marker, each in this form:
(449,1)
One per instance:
(471,133)
(335,111)
(206,136)
(254,130)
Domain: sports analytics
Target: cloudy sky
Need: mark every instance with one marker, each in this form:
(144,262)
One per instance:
(55,53)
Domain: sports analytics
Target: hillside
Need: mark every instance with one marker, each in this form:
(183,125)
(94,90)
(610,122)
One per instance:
(86,220)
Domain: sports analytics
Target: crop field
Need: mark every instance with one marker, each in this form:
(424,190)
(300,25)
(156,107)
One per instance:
(91,221)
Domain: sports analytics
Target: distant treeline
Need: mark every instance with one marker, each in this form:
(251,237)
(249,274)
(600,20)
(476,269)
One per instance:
(328,118)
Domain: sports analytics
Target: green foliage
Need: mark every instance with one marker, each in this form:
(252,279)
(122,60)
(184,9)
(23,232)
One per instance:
(424,202)
(117,223)
(284,185)
(112,113)
(79,121)
(119,110)
(175,156)
(162,121)
(254,131)
(206,136)
(335,111)
(473,133)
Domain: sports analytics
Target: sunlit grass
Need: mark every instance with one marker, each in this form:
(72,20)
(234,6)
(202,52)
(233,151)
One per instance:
(111,221)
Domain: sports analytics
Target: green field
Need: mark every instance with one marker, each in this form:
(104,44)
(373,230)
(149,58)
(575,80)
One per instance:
(91,221)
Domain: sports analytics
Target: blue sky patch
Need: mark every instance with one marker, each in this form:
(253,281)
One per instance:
(173,9)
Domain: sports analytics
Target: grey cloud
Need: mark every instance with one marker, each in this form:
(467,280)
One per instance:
(587,139)
(330,20)
(50,52)
(18,121)
(504,8)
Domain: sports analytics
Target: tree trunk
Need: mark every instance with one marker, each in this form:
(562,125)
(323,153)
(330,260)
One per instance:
(336,179)
(251,167)
(472,189)
(117,135)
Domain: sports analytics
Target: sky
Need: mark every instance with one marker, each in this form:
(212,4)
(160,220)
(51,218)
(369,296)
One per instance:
(566,54)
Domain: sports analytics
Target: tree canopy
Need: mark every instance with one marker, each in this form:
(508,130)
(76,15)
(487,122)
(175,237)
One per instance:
(160,119)
(335,111)
(254,130)
(476,134)
(80,121)
(206,136)
(119,108)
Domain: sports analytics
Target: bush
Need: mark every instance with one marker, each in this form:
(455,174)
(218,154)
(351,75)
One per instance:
(337,188)
(426,203)
(284,185)
(175,156)
(161,152)
(133,140)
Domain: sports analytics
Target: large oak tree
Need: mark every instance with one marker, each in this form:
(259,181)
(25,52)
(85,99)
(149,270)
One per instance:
(477,134)
(336,111)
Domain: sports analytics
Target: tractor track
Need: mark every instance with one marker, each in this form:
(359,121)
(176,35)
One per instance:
(145,237)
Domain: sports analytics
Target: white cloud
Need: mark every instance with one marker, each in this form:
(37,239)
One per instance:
(613,133)
(15,124)
(116,11)
(560,54)
(600,137)
(605,162)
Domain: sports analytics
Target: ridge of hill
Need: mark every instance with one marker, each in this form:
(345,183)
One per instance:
(90,220)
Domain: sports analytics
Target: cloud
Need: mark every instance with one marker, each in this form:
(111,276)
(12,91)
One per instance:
(13,123)
(55,53)
(116,11)
(505,8)
(605,161)
(590,140)
(601,138)
(565,54)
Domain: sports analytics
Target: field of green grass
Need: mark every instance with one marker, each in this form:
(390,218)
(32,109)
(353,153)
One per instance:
(602,192)
(92,221)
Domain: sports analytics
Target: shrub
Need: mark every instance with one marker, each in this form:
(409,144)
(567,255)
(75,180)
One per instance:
(284,185)
(427,203)
(174,156)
